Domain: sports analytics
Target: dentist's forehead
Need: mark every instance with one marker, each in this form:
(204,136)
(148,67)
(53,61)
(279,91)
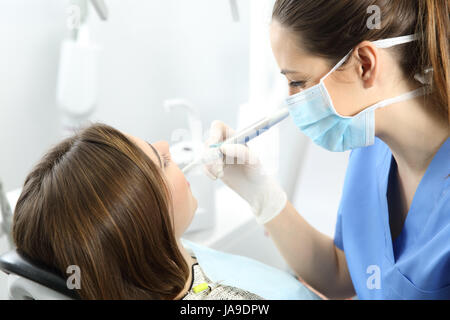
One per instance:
(291,57)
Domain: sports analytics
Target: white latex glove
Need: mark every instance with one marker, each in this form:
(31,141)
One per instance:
(242,171)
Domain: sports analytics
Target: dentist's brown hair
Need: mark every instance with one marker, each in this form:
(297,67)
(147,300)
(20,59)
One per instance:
(96,200)
(331,28)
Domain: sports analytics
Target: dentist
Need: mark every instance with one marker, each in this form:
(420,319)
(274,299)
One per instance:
(384,93)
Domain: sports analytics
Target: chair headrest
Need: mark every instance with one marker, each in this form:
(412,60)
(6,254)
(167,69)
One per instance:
(17,263)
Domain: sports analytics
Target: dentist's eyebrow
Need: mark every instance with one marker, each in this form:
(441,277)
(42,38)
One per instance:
(287,71)
(157,155)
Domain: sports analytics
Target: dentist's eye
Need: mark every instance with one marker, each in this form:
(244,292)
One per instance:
(297,84)
(166,159)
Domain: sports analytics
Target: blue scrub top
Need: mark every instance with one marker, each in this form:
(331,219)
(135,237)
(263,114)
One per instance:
(417,264)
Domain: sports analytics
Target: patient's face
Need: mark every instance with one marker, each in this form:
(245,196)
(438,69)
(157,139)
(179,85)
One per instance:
(184,203)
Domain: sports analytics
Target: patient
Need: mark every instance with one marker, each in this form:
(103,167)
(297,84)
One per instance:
(115,206)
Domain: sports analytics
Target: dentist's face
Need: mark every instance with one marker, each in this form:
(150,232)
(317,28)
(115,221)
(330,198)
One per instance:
(303,70)
(183,202)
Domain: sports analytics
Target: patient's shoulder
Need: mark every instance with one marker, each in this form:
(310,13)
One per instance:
(203,288)
(231,293)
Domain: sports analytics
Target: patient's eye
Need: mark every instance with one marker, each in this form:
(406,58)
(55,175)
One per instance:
(166,159)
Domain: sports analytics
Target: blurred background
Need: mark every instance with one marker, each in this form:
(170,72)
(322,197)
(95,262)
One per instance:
(159,70)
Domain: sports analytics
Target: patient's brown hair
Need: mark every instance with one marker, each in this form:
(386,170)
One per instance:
(96,200)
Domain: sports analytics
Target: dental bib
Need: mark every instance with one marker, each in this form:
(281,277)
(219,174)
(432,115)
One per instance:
(248,274)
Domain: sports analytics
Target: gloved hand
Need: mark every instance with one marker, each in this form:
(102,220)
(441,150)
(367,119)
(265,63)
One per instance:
(242,171)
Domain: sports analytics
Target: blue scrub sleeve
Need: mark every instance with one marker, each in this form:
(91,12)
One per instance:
(338,233)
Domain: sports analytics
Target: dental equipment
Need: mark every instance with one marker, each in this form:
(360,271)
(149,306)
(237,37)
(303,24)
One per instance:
(78,72)
(245,135)
(195,124)
(185,145)
(234,10)
(101,8)
(6,216)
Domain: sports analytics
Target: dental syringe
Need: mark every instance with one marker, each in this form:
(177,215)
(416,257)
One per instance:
(245,135)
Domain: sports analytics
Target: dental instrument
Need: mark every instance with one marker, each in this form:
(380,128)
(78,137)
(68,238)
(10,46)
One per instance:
(245,135)
(101,9)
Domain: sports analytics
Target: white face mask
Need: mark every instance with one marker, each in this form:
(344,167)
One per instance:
(313,112)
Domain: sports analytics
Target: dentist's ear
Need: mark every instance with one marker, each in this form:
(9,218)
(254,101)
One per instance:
(367,56)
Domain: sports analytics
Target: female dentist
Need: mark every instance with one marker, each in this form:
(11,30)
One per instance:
(383,92)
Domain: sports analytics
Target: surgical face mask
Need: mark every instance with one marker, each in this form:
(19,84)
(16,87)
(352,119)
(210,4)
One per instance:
(313,112)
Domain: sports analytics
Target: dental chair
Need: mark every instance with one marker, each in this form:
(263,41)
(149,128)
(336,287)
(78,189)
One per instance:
(28,280)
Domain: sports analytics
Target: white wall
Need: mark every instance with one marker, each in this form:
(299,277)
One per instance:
(319,187)
(152,51)
(30,33)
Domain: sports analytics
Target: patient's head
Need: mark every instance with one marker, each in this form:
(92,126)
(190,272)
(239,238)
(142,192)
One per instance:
(115,206)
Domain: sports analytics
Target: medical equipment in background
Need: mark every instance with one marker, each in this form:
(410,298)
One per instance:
(185,145)
(234,10)
(247,134)
(101,8)
(6,216)
(28,280)
(78,74)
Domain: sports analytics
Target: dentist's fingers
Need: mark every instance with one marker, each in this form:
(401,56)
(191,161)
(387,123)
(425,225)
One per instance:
(208,173)
(218,173)
(238,154)
(218,132)
(213,163)
(215,159)
(214,171)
